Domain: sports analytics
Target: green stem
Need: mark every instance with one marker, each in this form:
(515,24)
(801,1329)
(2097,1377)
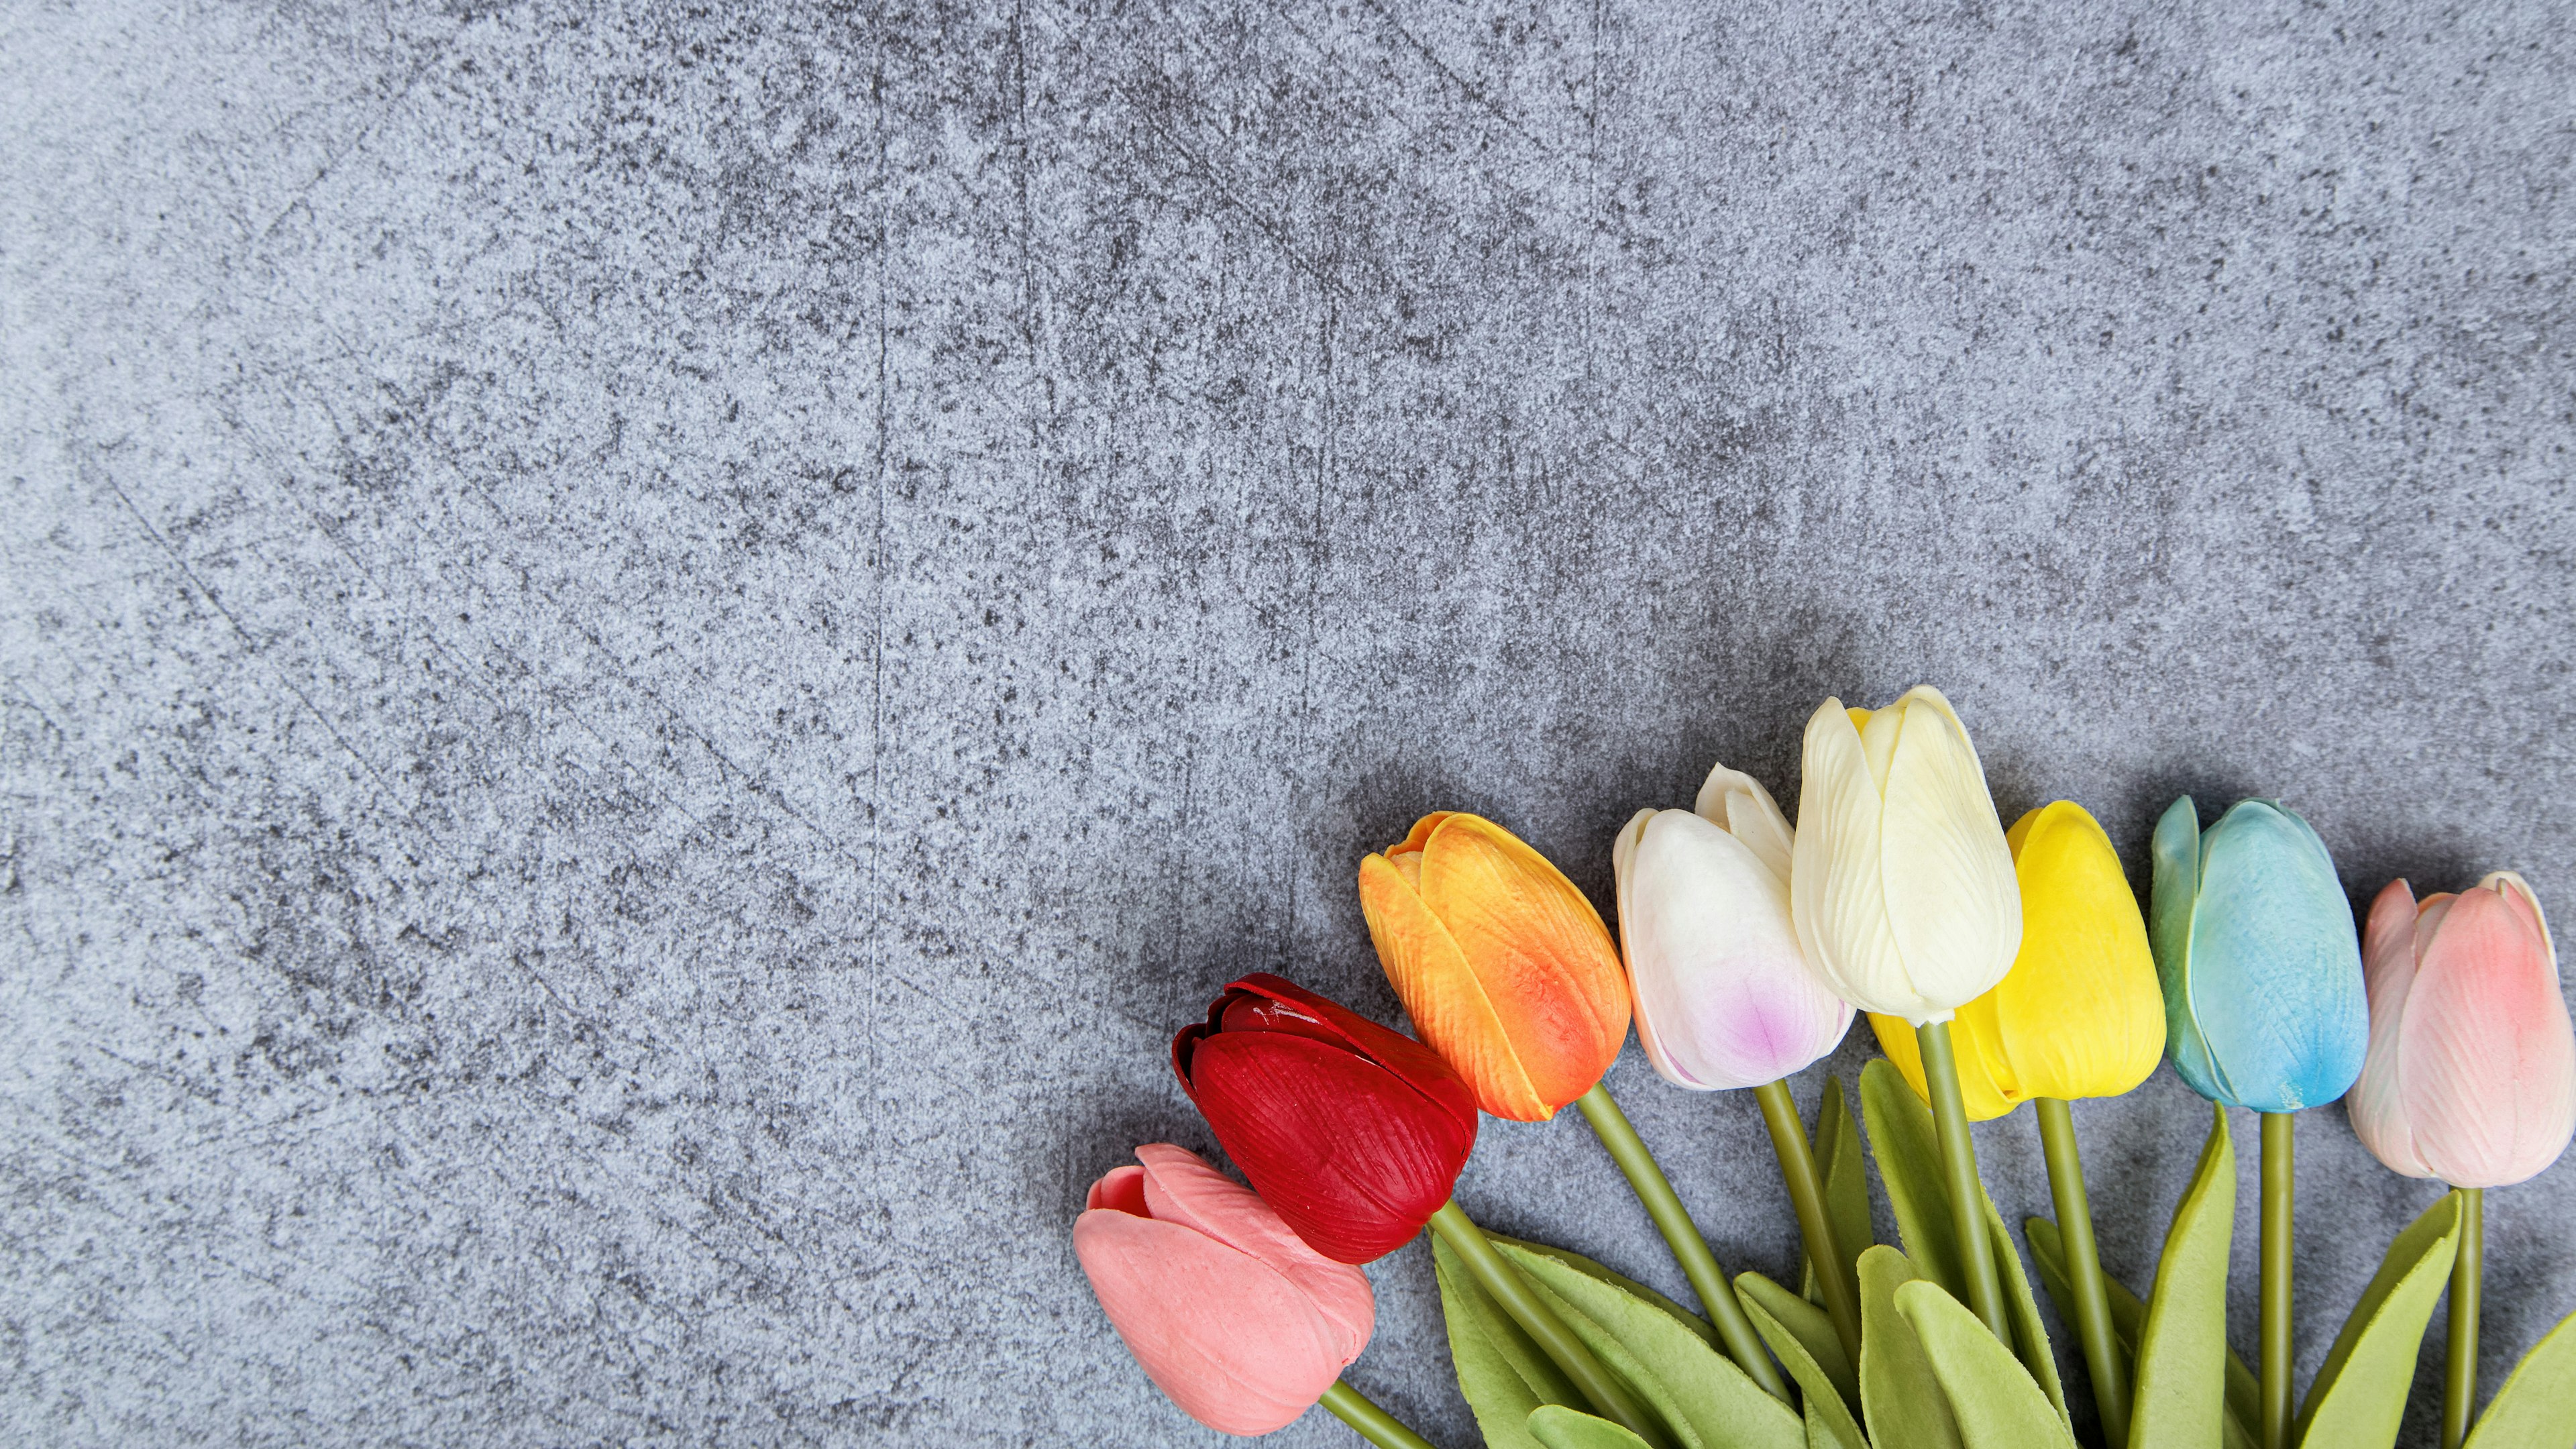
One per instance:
(2102,1360)
(2279,1188)
(1807,1195)
(1369,1421)
(1610,1398)
(1959,1171)
(2460,1366)
(1716,1295)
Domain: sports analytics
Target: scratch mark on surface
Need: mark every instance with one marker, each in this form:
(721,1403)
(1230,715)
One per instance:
(90,469)
(1466,87)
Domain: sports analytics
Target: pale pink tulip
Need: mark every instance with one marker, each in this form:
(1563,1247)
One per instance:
(1721,987)
(1229,1311)
(2471,1075)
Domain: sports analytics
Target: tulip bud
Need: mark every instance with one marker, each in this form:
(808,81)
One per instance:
(1229,1313)
(1353,1132)
(1901,884)
(2264,1005)
(1722,991)
(2079,1014)
(1505,968)
(2471,1075)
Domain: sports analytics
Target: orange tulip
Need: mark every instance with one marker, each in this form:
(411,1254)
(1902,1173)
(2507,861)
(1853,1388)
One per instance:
(1505,967)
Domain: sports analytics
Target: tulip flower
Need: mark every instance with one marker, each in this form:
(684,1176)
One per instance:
(2264,1005)
(2261,970)
(1355,1133)
(1902,889)
(2079,1015)
(1901,884)
(1722,991)
(2471,1072)
(1504,967)
(1229,1312)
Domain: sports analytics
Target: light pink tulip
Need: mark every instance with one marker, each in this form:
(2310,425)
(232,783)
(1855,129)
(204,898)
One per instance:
(1721,987)
(1229,1311)
(2471,1076)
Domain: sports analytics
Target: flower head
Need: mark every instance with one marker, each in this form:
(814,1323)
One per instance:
(1901,884)
(1722,991)
(1504,967)
(2261,971)
(2471,1074)
(1353,1132)
(1229,1313)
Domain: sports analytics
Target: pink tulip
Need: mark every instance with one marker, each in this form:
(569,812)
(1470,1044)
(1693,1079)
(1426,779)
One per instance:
(2471,1075)
(1229,1311)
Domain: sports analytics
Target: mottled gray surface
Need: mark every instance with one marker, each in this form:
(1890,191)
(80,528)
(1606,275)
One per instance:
(649,654)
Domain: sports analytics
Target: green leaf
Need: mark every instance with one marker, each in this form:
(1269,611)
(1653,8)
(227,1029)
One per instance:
(1822,1433)
(1846,1174)
(1709,1402)
(1580,1263)
(2128,1320)
(2359,1397)
(1562,1428)
(1900,1396)
(1996,1402)
(1909,1167)
(1812,1354)
(2536,1408)
(1806,1326)
(2030,1334)
(1502,1373)
(2181,1379)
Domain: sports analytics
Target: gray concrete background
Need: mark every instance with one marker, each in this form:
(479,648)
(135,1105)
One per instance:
(650,653)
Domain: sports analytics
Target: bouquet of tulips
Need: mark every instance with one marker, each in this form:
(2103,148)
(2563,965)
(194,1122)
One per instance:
(1997,967)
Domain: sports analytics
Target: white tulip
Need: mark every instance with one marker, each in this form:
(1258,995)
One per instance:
(1901,885)
(1722,992)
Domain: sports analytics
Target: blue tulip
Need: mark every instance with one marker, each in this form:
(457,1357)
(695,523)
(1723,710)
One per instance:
(2261,967)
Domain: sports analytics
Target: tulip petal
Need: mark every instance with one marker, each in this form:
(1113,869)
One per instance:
(2275,966)
(1723,994)
(1442,995)
(1180,1187)
(1978,1091)
(2176,852)
(2080,1014)
(1226,1336)
(1421,1068)
(2518,894)
(1121,1189)
(1953,905)
(1623,856)
(1418,838)
(1879,730)
(1735,802)
(1835,891)
(1352,1156)
(2377,1102)
(1544,962)
(2489,1058)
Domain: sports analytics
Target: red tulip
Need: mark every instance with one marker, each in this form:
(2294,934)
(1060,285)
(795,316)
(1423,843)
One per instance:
(1242,1324)
(1353,1132)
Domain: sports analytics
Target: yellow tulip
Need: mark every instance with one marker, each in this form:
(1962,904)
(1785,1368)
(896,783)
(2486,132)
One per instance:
(2080,1013)
(1505,968)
